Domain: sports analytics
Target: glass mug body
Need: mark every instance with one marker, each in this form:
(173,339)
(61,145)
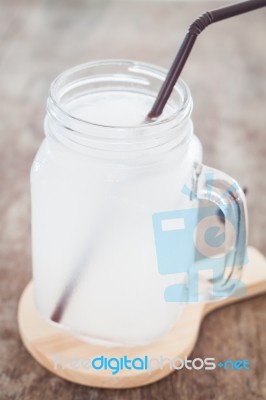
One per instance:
(95,189)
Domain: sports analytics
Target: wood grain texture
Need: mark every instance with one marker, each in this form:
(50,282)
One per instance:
(47,343)
(227,76)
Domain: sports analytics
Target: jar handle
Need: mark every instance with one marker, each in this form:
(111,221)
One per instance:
(225,193)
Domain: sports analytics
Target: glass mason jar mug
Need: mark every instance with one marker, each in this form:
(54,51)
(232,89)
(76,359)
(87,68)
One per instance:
(117,208)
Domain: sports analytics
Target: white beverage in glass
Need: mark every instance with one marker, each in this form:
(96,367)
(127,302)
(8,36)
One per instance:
(98,178)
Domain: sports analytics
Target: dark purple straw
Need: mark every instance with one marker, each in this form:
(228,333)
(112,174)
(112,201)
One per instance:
(166,90)
(194,30)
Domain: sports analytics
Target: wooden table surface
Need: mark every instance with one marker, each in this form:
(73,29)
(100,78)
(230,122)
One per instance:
(227,77)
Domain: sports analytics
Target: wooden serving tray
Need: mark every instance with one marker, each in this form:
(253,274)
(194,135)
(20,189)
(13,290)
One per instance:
(44,341)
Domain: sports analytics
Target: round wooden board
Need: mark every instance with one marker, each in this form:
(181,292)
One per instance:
(46,343)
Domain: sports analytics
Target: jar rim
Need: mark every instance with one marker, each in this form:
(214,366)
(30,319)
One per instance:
(177,116)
